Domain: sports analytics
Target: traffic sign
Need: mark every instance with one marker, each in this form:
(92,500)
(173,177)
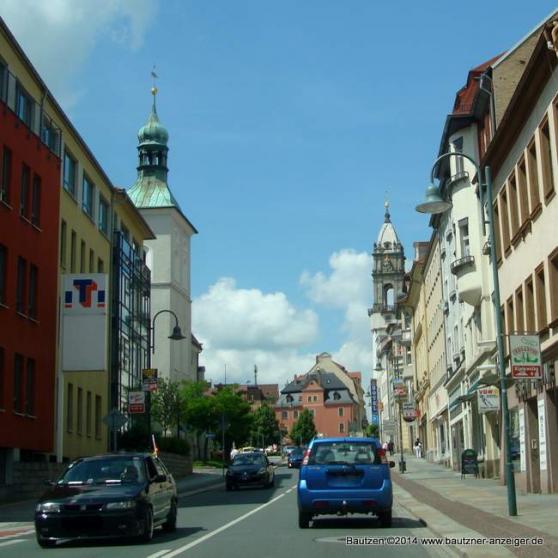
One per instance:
(136,402)
(115,420)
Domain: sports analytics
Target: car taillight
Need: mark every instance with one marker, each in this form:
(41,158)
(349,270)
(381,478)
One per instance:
(306,457)
(381,454)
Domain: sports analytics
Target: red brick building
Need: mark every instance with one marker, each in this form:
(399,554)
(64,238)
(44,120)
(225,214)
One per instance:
(29,206)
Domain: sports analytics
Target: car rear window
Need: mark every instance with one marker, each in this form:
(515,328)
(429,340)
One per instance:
(249,459)
(343,453)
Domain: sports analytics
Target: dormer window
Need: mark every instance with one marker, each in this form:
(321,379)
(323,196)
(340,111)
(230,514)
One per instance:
(336,396)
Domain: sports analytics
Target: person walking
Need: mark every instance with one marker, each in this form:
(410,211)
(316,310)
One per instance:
(385,446)
(391,447)
(418,448)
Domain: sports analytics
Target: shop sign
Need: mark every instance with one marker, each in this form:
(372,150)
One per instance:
(409,412)
(525,354)
(374,402)
(522,466)
(136,402)
(149,379)
(542,434)
(400,390)
(488,399)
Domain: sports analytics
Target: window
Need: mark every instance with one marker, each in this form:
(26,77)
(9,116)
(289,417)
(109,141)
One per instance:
(91,261)
(98,413)
(79,411)
(309,399)
(295,414)
(33,282)
(70,407)
(497,240)
(3,268)
(70,168)
(505,222)
(553,280)
(18,384)
(100,266)
(341,425)
(514,213)
(63,234)
(284,415)
(533,177)
(523,192)
(103,215)
(87,196)
(340,411)
(2,378)
(88,415)
(73,248)
(6,175)
(82,257)
(540,298)
(530,323)
(519,309)
(21,284)
(125,233)
(464,237)
(546,158)
(36,201)
(3,80)
(24,191)
(457,147)
(30,388)
(24,105)
(50,134)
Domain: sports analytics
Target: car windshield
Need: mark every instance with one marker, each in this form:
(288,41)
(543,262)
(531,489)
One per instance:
(249,459)
(112,470)
(343,453)
(296,453)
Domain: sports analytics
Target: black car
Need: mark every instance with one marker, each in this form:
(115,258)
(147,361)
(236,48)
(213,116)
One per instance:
(249,469)
(106,496)
(295,458)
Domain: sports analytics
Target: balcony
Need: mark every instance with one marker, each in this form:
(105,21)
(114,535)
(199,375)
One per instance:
(468,279)
(459,175)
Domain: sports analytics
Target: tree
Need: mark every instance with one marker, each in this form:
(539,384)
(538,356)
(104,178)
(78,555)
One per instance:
(303,429)
(166,405)
(372,430)
(265,428)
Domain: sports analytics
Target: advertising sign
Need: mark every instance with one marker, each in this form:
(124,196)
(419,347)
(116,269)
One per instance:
(84,322)
(409,412)
(149,379)
(374,402)
(522,463)
(488,399)
(400,389)
(525,356)
(542,434)
(136,402)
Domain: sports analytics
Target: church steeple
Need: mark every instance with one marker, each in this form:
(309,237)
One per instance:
(151,188)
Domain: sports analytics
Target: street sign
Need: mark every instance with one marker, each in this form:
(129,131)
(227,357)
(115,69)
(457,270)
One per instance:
(136,402)
(374,402)
(149,379)
(115,420)
(409,412)
(400,390)
(525,356)
(488,399)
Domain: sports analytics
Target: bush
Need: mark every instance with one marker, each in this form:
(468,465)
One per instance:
(174,445)
(135,439)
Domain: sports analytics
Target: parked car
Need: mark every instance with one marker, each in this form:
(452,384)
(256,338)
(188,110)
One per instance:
(106,496)
(295,458)
(342,476)
(287,449)
(249,469)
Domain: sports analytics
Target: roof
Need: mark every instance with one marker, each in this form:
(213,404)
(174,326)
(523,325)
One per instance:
(387,231)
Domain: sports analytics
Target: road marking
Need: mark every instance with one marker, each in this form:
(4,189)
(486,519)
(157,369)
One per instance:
(182,549)
(160,553)
(13,541)
(15,533)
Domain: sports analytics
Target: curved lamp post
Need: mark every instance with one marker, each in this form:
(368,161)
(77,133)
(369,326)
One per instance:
(435,204)
(176,335)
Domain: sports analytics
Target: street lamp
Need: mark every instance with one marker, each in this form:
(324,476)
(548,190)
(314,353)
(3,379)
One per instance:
(435,204)
(176,335)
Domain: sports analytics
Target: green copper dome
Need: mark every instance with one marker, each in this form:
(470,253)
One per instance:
(153,132)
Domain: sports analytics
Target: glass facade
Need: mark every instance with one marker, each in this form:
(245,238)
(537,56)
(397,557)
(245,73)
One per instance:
(131,316)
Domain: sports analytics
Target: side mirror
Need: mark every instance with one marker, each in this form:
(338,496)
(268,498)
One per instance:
(160,478)
(391,464)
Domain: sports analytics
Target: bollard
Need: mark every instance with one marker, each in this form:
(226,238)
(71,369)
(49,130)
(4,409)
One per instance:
(402,466)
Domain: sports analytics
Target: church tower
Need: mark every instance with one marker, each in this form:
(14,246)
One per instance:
(168,256)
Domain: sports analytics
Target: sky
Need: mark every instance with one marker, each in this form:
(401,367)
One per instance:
(290,123)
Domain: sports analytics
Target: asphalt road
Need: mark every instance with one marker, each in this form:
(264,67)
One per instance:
(252,522)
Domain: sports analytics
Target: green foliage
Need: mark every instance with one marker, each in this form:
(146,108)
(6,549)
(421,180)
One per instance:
(166,405)
(303,429)
(174,445)
(265,428)
(373,431)
(135,439)
(234,415)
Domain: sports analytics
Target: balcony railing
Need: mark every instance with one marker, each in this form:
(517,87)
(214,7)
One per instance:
(459,264)
(31,113)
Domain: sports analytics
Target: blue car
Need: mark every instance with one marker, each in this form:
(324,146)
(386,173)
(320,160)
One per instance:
(345,475)
(295,458)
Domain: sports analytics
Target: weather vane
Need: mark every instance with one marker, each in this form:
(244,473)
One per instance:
(154,76)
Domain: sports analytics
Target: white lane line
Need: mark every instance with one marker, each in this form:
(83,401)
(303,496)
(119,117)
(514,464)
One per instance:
(13,541)
(160,553)
(223,527)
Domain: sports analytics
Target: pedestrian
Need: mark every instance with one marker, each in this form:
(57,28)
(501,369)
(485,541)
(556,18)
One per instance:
(385,446)
(418,448)
(234,452)
(391,447)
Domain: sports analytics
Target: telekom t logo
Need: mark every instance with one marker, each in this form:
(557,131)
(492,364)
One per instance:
(85,289)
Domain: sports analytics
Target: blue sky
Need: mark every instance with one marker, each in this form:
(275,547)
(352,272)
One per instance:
(289,121)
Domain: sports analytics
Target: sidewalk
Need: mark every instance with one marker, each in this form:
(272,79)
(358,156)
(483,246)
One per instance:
(452,506)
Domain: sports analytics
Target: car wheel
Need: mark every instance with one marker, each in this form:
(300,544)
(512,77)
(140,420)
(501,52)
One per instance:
(170,524)
(304,519)
(385,518)
(147,534)
(45,543)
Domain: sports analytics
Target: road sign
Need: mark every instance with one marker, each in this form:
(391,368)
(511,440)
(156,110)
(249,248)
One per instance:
(115,420)
(136,402)
(525,355)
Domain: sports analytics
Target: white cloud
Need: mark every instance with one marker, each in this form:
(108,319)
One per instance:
(243,327)
(59,35)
